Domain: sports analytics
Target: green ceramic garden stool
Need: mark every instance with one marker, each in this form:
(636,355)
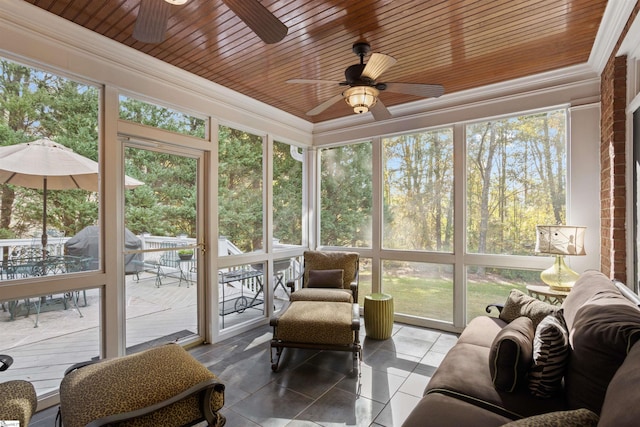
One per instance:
(378,316)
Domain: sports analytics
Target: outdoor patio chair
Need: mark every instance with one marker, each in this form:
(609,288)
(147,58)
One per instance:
(327,276)
(162,386)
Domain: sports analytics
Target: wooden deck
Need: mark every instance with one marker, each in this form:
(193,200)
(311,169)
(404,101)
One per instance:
(66,336)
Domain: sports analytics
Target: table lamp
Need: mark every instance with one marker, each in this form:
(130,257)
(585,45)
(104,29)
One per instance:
(560,240)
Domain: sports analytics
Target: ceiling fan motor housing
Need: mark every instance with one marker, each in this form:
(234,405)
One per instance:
(353,76)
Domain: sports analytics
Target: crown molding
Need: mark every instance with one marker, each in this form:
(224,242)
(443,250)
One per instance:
(576,84)
(615,17)
(630,45)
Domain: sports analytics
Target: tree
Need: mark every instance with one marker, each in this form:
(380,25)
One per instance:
(287,195)
(346,195)
(166,204)
(515,180)
(240,200)
(418,190)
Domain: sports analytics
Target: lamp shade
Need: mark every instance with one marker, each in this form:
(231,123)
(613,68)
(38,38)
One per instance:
(560,239)
(361,98)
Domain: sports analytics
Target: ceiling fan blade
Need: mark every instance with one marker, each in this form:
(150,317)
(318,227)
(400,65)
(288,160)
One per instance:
(326,104)
(259,19)
(417,89)
(380,112)
(333,82)
(378,64)
(151,23)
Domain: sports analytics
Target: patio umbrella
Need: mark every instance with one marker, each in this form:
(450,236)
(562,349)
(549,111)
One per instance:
(47,165)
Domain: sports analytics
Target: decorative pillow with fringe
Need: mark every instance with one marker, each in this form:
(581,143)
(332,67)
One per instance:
(520,304)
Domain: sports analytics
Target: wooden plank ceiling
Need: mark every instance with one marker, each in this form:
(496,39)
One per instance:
(460,44)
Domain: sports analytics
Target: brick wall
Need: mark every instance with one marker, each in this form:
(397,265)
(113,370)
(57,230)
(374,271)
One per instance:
(613,234)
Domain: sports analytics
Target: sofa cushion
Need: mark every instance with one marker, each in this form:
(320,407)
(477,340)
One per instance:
(322,294)
(576,418)
(520,304)
(325,278)
(465,372)
(601,333)
(435,409)
(620,406)
(482,330)
(510,354)
(550,356)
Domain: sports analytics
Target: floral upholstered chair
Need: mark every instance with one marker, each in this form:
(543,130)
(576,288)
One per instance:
(162,386)
(328,276)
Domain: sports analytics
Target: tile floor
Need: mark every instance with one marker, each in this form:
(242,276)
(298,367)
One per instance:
(314,388)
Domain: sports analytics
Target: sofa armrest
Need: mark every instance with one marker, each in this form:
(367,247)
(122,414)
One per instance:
(496,305)
(213,418)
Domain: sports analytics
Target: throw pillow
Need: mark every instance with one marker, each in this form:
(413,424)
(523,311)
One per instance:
(550,356)
(511,353)
(325,279)
(520,304)
(576,418)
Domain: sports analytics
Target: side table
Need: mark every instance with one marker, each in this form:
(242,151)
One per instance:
(546,294)
(378,316)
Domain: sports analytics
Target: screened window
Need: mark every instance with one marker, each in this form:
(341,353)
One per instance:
(346,196)
(240,191)
(418,191)
(420,289)
(287,195)
(148,114)
(516,179)
(45,121)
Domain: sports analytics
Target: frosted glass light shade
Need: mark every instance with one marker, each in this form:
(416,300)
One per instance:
(361,98)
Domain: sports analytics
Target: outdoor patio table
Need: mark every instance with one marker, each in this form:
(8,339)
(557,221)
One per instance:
(240,303)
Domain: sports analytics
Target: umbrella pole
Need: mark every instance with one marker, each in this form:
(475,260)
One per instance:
(44,219)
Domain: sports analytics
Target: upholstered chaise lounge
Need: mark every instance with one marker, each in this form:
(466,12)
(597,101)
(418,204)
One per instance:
(162,386)
(323,314)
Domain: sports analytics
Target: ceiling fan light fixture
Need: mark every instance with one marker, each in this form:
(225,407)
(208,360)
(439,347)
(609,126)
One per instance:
(361,98)
(176,2)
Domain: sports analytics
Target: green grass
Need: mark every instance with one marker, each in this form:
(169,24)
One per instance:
(432,297)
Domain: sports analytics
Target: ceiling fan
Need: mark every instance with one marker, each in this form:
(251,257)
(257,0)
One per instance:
(363,92)
(151,23)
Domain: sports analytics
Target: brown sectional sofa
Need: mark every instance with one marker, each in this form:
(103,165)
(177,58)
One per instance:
(602,373)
